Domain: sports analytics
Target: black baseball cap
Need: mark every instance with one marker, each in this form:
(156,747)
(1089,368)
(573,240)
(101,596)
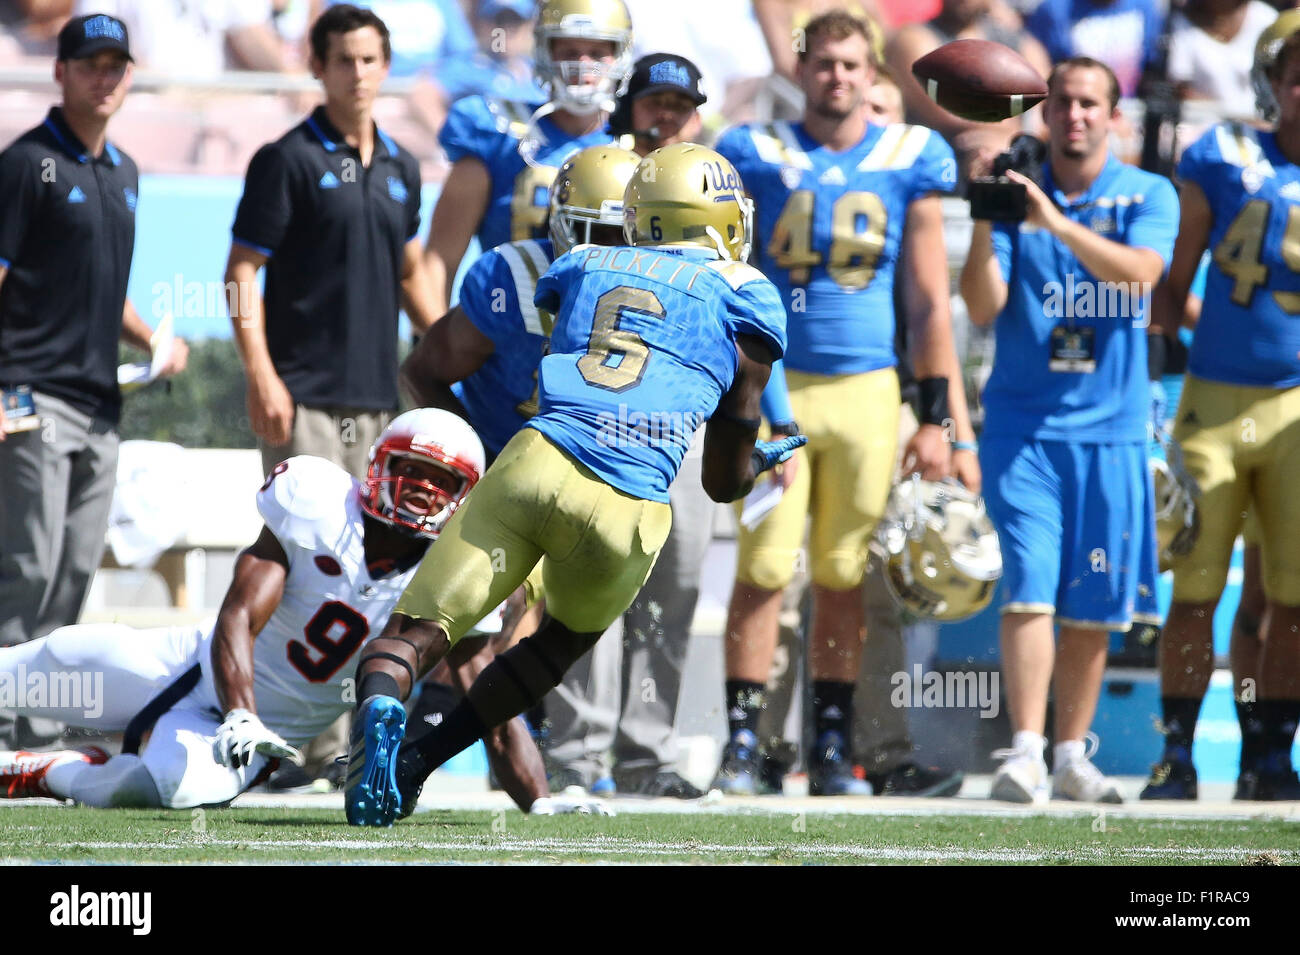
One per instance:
(655,73)
(83,37)
(658,72)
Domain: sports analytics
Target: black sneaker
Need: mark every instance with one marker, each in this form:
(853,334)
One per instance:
(1174,777)
(909,779)
(663,784)
(1266,785)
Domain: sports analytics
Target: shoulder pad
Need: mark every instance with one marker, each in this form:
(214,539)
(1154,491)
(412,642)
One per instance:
(898,148)
(528,262)
(776,143)
(735,273)
(300,496)
(1238,144)
(511,116)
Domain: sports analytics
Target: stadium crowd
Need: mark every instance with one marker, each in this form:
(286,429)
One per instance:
(499,101)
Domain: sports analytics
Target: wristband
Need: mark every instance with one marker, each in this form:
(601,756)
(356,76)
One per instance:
(749,424)
(934,401)
(787,428)
(970,446)
(1157,356)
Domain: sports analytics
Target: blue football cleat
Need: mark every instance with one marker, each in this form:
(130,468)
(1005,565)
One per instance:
(1174,777)
(372,797)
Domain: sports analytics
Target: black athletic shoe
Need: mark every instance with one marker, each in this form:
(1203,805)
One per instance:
(910,779)
(663,784)
(1174,777)
(1268,786)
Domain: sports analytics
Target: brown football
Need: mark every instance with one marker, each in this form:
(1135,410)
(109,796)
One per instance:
(979,80)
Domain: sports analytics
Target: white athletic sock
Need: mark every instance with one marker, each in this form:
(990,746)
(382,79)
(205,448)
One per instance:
(1026,741)
(1067,752)
(122,782)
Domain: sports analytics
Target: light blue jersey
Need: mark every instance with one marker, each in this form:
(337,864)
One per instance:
(833,224)
(1049,290)
(491,131)
(644,346)
(1249,331)
(497,296)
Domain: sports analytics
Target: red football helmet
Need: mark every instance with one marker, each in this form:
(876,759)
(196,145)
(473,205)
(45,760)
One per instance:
(431,436)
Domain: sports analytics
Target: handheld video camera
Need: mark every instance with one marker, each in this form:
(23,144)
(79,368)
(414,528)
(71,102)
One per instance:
(998,198)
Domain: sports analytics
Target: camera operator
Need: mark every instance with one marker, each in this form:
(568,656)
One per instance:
(1064,442)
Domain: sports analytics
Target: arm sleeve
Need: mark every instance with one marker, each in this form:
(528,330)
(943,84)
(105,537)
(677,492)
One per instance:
(775,400)
(935,168)
(465,131)
(755,309)
(266,205)
(1154,223)
(486,298)
(411,171)
(1002,249)
(19,181)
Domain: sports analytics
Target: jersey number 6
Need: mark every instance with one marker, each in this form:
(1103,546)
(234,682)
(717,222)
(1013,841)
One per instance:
(616,359)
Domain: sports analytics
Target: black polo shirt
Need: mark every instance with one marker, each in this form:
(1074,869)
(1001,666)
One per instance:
(67,231)
(335,234)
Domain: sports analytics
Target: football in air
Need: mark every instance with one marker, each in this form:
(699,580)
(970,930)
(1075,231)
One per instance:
(979,80)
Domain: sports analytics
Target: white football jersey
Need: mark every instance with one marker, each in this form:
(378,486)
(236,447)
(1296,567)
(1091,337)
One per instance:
(331,606)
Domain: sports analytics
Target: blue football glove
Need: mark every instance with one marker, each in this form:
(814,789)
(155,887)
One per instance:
(768,454)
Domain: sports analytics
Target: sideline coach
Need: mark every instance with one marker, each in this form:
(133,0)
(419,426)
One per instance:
(66,234)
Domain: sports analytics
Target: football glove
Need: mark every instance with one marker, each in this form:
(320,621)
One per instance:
(564,806)
(768,454)
(243,734)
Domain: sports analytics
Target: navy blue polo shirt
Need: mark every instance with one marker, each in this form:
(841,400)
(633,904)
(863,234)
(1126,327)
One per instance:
(335,234)
(67,232)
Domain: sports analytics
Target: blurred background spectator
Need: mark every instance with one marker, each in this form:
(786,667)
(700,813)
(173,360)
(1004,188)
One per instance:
(1211,49)
(1120,33)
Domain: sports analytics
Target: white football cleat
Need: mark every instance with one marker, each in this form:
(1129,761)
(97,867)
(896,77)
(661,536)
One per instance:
(1081,781)
(1021,778)
(22,773)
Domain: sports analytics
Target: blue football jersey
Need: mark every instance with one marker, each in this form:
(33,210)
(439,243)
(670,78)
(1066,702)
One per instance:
(1051,295)
(834,225)
(643,348)
(497,296)
(492,130)
(1249,331)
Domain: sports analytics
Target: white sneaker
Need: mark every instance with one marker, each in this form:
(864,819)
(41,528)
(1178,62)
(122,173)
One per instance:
(22,773)
(1022,777)
(1081,781)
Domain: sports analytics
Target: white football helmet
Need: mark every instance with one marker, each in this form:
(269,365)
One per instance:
(942,559)
(1178,522)
(589,20)
(433,436)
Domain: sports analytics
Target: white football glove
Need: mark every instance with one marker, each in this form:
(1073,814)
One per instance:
(243,734)
(566,805)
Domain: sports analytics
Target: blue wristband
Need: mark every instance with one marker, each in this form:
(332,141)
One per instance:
(966,446)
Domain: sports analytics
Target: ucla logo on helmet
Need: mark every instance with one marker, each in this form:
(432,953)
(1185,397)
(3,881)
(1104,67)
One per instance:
(723,178)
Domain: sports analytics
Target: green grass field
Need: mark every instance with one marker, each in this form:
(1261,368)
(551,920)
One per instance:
(35,833)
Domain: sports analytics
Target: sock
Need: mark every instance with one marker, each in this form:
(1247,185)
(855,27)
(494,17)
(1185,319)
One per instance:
(121,783)
(833,709)
(1179,716)
(1279,718)
(1067,752)
(61,777)
(1254,745)
(378,684)
(429,747)
(1026,741)
(745,700)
